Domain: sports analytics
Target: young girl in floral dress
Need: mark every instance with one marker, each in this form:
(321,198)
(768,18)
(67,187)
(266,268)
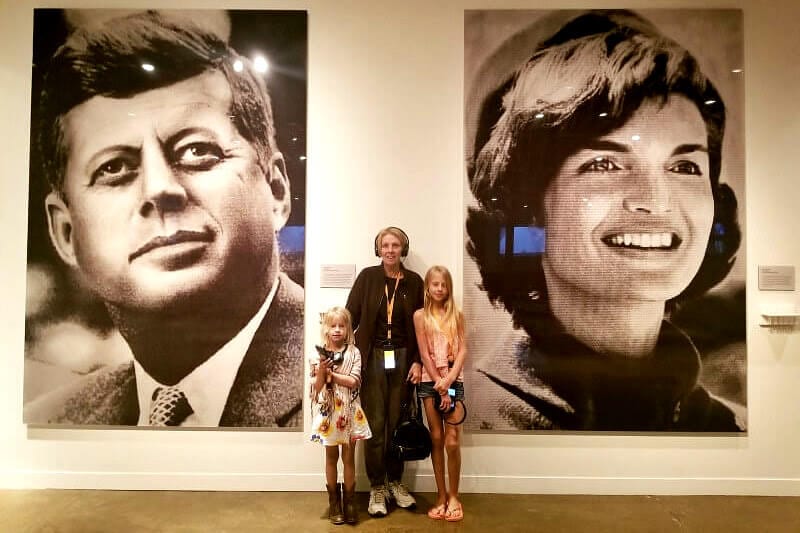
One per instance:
(337,418)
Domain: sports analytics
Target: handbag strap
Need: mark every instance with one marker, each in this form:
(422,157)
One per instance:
(418,414)
(411,408)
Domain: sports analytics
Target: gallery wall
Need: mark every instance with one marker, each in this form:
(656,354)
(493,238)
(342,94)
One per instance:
(385,103)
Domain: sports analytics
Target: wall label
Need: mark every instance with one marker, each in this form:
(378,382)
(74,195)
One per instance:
(337,276)
(775,278)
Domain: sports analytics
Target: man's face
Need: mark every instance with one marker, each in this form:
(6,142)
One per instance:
(390,250)
(629,214)
(163,198)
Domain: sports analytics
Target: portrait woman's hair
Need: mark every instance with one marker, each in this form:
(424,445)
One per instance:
(580,84)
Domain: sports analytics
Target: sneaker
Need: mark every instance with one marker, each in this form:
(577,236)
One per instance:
(401,495)
(377,502)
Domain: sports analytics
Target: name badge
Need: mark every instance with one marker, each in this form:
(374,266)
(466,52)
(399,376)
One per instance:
(388,360)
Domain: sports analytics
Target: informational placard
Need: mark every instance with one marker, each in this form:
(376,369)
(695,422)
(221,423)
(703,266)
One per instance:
(337,276)
(775,278)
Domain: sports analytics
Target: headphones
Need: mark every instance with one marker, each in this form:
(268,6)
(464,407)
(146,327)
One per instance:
(406,242)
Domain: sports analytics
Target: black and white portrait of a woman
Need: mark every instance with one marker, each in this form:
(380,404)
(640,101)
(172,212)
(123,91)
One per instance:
(604,273)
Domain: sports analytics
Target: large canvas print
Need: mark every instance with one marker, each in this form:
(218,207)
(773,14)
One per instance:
(166,219)
(604,269)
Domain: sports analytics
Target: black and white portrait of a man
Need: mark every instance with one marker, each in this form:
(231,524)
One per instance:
(166,236)
(604,234)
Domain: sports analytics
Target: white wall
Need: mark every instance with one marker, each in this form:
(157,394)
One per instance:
(385,147)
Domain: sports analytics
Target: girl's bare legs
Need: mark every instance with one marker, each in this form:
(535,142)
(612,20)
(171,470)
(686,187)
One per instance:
(349,488)
(349,463)
(334,499)
(452,443)
(437,449)
(331,465)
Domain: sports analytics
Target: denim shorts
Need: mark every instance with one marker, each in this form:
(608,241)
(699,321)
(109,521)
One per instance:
(425,390)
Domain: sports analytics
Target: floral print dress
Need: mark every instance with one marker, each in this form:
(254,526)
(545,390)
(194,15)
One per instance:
(336,413)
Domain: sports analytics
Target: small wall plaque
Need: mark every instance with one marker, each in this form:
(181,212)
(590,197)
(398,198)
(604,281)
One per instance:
(775,278)
(337,276)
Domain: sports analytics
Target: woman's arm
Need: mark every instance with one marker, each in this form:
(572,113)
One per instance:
(354,299)
(417,289)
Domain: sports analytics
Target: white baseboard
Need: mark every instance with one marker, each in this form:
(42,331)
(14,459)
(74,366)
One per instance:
(421,482)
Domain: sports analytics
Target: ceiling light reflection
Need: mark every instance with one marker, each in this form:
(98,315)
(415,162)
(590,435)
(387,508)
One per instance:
(261,64)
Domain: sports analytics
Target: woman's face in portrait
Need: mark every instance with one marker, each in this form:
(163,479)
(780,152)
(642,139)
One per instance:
(629,214)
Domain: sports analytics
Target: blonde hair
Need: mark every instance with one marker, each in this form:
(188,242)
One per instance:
(335,314)
(453,323)
(394,231)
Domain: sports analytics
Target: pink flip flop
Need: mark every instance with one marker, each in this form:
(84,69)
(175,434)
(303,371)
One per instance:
(437,513)
(454,515)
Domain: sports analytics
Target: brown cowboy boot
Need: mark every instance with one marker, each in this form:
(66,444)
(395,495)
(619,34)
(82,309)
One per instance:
(334,505)
(350,513)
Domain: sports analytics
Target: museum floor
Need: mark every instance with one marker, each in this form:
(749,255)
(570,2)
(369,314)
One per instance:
(90,511)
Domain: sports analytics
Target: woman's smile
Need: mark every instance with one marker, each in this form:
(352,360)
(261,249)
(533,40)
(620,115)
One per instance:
(643,241)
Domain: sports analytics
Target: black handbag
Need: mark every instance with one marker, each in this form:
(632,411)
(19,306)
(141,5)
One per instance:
(411,440)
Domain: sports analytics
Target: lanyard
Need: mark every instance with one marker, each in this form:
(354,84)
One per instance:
(390,304)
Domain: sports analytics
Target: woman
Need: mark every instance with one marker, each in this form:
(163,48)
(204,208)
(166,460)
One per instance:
(605,146)
(382,303)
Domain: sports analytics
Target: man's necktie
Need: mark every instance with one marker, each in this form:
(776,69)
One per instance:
(170,407)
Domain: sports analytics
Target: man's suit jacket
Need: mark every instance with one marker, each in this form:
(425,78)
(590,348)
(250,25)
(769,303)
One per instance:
(267,391)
